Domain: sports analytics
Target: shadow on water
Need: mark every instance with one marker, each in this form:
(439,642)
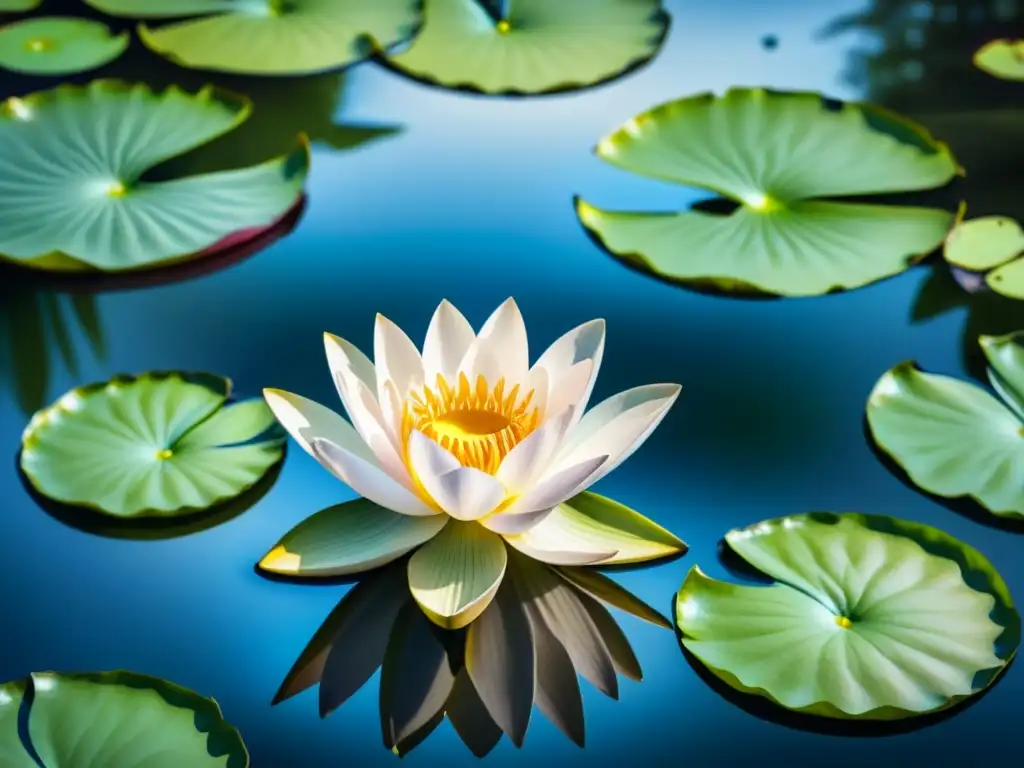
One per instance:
(542,629)
(150,529)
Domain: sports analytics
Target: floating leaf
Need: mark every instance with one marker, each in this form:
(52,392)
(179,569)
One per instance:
(993,243)
(536,46)
(73,197)
(779,156)
(116,718)
(953,438)
(156,445)
(18,6)
(871,618)
(270,37)
(58,45)
(1002,58)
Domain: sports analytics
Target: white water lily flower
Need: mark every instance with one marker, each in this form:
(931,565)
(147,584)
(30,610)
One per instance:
(466,447)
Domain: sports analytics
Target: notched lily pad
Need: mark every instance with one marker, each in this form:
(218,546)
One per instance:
(786,159)
(270,37)
(870,618)
(105,719)
(953,438)
(58,45)
(75,195)
(532,46)
(992,244)
(1002,58)
(156,445)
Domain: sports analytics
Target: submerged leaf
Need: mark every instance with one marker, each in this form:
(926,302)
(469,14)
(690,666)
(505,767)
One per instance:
(538,46)
(778,155)
(74,197)
(871,617)
(155,445)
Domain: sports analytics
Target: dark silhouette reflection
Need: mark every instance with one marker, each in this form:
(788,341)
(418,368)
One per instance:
(151,529)
(767,710)
(545,626)
(988,314)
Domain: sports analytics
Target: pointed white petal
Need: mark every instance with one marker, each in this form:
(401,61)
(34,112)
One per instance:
(527,460)
(538,381)
(618,426)
(526,544)
(449,337)
(307,420)
(463,492)
(571,390)
(505,523)
(396,357)
(500,350)
(345,359)
(585,342)
(558,486)
(455,575)
(368,480)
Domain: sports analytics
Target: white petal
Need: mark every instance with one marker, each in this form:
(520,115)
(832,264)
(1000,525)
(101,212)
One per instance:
(585,342)
(618,426)
(307,420)
(527,460)
(345,358)
(367,480)
(396,357)
(506,524)
(558,486)
(571,390)
(500,350)
(464,493)
(525,544)
(449,337)
(538,381)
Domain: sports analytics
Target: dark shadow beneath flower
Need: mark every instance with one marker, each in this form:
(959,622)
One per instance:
(544,626)
(963,505)
(150,528)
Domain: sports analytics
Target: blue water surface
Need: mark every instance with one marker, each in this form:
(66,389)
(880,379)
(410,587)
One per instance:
(471,200)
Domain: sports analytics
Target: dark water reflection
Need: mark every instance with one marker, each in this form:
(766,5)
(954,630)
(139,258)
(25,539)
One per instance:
(470,199)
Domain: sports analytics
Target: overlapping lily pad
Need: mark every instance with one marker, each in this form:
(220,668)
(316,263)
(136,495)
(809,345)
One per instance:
(156,445)
(58,45)
(870,618)
(990,244)
(106,719)
(270,37)
(953,438)
(1002,58)
(75,196)
(786,159)
(544,627)
(532,46)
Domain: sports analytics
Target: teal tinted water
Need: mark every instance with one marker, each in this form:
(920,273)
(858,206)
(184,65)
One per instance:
(470,199)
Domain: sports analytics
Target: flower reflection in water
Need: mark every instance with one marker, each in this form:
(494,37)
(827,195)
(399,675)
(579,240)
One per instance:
(546,625)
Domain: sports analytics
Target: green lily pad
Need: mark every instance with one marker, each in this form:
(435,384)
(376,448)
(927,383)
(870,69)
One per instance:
(871,617)
(784,158)
(103,719)
(953,438)
(18,6)
(74,198)
(993,243)
(270,37)
(156,445)
(536,46)
(58,45)
(1002,58)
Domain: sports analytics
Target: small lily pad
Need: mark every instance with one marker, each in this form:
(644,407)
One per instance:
(270,37)
(953,438)
(58,45)
(870,617)
(73,196)
(156,445)
(1002,58)
(106,719)
(993,243)
(18,6)
(785,158)
(535,46)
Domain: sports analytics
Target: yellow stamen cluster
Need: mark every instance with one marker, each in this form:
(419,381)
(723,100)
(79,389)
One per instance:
(476,423)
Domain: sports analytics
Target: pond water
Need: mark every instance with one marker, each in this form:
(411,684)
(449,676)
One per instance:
(418,195)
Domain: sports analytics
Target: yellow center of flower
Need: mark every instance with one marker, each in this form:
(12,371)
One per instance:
(477,424)
(844,622)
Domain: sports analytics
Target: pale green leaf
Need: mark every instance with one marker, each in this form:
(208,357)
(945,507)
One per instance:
(983,243)
(58,45)
(776,154)
(538,46)
(1002,58)
(12,753)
